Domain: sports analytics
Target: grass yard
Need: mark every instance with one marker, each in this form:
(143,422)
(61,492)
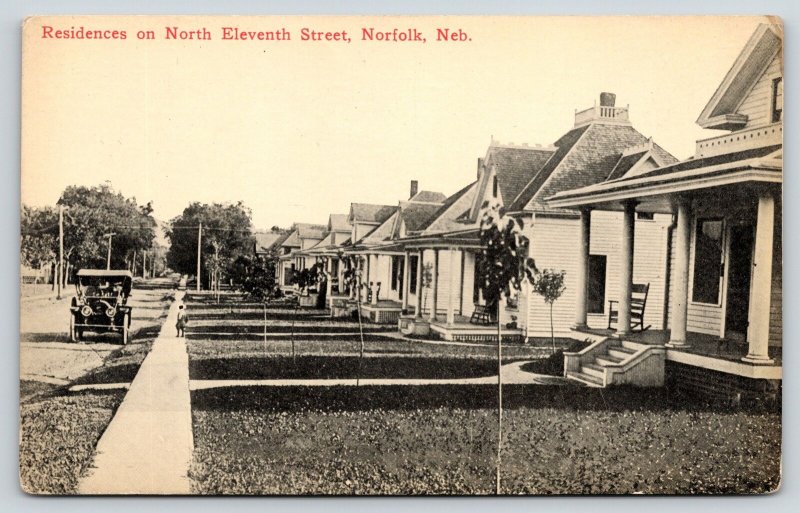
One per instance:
(441,440)
(58,436)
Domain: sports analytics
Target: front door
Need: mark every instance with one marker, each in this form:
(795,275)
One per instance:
(740,267)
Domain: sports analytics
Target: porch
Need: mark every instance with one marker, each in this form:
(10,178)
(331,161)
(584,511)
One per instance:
(462,330)
(711,352)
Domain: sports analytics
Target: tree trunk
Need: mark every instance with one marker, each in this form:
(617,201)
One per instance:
(361,336)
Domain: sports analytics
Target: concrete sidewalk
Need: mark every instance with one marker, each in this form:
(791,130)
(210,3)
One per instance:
(147,447)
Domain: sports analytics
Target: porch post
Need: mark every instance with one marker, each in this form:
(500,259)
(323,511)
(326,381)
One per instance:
(680,292)
(582,292)
(418,306)
(329,284)
(405,280)
(451,293)
(374,289)
(368,259)
(435,285)
(762,282)
(626,273)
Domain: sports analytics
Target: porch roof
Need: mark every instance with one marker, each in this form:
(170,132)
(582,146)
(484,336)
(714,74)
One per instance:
(764,165)
(469,239)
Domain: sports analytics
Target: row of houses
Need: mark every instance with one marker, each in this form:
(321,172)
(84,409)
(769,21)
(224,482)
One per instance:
(681,259)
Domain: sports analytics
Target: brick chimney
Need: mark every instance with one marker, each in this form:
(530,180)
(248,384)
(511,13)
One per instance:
(608,99)
(414,188)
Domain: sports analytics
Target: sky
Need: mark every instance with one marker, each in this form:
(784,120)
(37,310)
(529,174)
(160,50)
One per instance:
(298,130)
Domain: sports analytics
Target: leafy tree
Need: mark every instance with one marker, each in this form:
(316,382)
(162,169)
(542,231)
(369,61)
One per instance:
(227,234)
(91,213)
(550,285)
(38,236)
(254,275)
(503,266)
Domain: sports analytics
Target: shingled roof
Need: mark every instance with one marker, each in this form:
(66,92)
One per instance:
(624,164)
(586,155)
(311,231)
(370,213)
(339,223)
(428,197)
(266,240)
(446,217)
(516,166)
(415,215)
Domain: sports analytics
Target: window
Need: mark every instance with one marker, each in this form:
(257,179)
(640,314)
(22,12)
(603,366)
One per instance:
(645,216)
(597,284)
(494,186)
(412,274)
(777,99)
(708,267)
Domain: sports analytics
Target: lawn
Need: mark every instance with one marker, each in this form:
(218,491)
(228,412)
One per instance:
(58,436)
(441,440)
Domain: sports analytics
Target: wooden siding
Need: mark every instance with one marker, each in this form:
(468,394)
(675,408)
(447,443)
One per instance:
(555,243)
(757,105)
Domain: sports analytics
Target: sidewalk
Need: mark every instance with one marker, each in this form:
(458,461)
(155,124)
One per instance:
(147,447)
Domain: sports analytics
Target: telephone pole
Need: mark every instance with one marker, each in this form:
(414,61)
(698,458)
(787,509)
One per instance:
(199,240)
(60,265)
(108,260)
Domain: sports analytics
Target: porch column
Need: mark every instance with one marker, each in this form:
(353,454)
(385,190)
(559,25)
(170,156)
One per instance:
(679,306)
(368,259)
(418,306)
(761,297)
(451,293)
(329,284)
(405,280)
(582,292)
(374,289)
(435,285)
(626,272)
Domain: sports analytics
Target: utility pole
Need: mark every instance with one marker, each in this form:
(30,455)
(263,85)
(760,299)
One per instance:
(199,240)
(108,260)
(60,266)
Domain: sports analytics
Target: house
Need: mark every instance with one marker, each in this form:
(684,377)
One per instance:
(602,143)
(265,243)
(722,326)
(385,265)
(329,251)
(303,236)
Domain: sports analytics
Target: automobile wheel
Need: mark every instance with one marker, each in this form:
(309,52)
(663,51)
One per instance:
(73,333)
(126,321)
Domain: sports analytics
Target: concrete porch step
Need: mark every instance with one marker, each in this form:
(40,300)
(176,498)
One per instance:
(593,369)
(622,353)
(607,360)
(586,379)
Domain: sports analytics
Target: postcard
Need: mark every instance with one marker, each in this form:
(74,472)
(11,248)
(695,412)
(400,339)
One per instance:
(436,255)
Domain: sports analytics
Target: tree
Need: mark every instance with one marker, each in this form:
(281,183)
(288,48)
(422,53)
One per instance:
(90,214)
(503,266)
(38,236)
(255,276)
(227,234)
(550,285)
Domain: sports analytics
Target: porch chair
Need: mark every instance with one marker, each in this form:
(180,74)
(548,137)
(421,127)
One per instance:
(638,303)
(481,315)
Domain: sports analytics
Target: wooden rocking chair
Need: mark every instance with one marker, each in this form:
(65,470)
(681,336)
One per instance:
(638,303)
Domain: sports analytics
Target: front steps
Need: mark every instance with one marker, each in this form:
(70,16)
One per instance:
(611,361)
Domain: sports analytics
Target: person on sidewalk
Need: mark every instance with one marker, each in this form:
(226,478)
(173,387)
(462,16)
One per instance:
(182,321)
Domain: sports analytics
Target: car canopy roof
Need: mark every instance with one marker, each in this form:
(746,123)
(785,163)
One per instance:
(105,273)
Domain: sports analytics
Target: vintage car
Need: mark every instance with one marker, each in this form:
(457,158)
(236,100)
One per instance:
(100,305)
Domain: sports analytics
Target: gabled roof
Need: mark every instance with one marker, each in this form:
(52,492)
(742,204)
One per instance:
(585,156)
(515,167)
(266,240)
(383,232)
(369,213)
(428,197)
(446,217)
(339,223)
(414,215)
(759,51)
(310,231)
(292,240)
(625,164)
(686,174)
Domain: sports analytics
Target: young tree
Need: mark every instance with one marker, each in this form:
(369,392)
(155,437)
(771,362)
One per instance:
(503,266)
(255,276)
(550,285)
